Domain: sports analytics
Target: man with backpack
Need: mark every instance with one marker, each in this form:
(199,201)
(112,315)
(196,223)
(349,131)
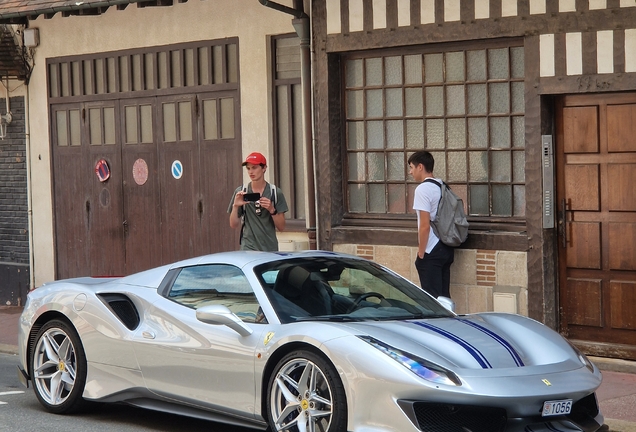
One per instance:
(258,209)
(434,258)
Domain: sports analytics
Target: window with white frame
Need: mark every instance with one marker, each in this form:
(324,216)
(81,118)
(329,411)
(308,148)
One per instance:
(465,106)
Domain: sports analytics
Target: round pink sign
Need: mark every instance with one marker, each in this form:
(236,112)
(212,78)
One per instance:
(140,171)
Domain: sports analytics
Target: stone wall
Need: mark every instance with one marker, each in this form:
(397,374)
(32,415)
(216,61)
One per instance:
(481,280)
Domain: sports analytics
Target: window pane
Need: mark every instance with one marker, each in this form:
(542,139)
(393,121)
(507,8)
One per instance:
(476,65)
(395,134)
(434,101)
(517,61)
(356,166)
(518,99)
(204,65)
(76,127)
(435,134)
(377,198)
(500,170)
(354,73)
(109,125)
(455,66)
(502,200)
(374,103)
(185,121)
(394,102)
(440,164)
(413,101)
(146,123)
(478,132)
(374,71)
(176,71)
(376,166)
(498,66)
(499,97)
(397,198)
(62,128)
(457,167)
(149,76)
(210,128)
(217,62)
(375,135)
(136,72)
(455,101)
(518,132)
(227,118)
(413,69)
(479,200)
(456,133)
(519,166)
(355,108)
(477,100)
(396,166)
(189,66)
(357,198)
(232,63)
(54,80)
(478,166)
(415,134)
(520,200)
(393,70)
(356,135)
(169,123)
(500,132)
(433,68)
(95,126)
(131,124)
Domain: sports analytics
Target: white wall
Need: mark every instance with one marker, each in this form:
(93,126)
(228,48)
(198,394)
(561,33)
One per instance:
(133,28)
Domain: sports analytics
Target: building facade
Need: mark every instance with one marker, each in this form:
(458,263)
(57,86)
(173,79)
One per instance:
(528,107)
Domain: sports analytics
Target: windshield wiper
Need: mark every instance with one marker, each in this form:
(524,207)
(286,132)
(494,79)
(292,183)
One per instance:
(336,318)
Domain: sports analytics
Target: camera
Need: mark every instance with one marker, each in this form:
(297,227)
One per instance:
(255,196)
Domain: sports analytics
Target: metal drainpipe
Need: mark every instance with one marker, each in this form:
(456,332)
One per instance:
(301,25)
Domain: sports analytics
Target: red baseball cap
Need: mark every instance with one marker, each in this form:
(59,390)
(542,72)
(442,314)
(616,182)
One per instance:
(255,158)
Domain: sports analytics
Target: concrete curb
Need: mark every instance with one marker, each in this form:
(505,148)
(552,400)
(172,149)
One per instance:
(614,365)
(8,349)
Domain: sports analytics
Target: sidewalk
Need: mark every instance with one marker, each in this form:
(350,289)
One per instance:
(616,395)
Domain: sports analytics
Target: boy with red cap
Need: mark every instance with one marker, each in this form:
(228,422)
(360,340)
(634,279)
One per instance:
(258,219)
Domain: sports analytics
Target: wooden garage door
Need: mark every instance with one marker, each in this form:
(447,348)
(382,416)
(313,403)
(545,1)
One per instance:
(146,213)
(596,169)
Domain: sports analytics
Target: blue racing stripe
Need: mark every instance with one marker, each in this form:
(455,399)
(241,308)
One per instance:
(483,362)
(502,341)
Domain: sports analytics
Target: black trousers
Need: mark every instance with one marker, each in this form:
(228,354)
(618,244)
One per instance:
(434,270)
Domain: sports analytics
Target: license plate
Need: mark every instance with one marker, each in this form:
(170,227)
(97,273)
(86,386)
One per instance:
(555,408)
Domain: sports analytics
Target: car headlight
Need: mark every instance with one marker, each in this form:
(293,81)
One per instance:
(422,368)
(582,357)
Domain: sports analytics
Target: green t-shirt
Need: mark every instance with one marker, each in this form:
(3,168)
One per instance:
(259,231)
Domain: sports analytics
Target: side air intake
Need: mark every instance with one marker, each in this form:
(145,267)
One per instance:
(123,308)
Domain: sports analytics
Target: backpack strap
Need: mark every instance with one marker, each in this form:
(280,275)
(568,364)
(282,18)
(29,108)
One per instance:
(244,189)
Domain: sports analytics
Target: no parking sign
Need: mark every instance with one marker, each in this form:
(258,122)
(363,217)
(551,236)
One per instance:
(177,169)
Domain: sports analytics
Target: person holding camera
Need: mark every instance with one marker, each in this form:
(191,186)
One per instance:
(258,209)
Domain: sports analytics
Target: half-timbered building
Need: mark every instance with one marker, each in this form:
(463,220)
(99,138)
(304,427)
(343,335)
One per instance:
(528,107)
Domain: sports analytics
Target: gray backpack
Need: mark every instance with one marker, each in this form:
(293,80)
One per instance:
(450,224)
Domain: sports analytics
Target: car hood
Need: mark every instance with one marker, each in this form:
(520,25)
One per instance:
(478,342)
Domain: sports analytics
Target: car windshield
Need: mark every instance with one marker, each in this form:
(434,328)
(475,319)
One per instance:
(342,289)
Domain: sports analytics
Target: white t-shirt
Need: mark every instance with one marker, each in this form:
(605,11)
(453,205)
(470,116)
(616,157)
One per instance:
(427,196)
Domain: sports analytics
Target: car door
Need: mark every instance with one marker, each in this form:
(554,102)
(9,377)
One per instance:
(182,358)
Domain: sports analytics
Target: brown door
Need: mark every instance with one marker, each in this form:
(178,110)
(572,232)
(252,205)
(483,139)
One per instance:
(221,171)
(88,230)
(596,172)
(142,209)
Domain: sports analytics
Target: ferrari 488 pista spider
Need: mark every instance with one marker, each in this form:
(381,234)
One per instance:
(307,341)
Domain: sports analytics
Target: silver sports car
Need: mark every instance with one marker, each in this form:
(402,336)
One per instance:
(308,341)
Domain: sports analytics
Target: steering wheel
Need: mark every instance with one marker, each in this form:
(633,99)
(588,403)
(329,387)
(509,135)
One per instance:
(364,296)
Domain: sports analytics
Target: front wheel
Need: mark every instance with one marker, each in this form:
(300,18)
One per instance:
(58,368)
(306,394)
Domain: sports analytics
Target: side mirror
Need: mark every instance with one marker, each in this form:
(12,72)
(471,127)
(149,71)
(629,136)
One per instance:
(221,315)
(447,303)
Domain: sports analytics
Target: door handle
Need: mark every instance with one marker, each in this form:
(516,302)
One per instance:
(563,222)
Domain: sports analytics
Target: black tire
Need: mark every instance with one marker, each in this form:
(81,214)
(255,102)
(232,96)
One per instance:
(57,367)
(291,400)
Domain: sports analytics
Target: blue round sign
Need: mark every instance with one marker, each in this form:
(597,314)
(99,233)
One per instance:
(177,169)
